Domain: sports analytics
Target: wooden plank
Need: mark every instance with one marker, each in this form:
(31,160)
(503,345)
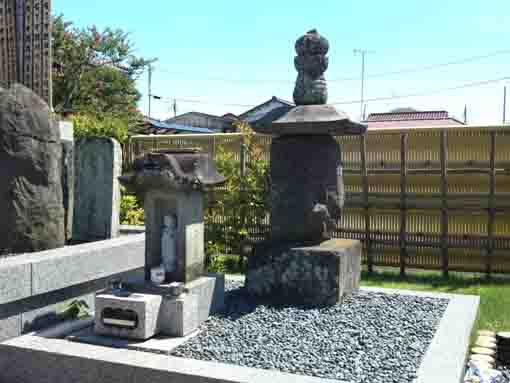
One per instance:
(492,211)
(403,203)
(444,194)
(368,242)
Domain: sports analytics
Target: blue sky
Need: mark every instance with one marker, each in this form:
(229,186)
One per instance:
(227,54)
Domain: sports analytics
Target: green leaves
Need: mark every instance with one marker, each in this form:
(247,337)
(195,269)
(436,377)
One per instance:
(90,125)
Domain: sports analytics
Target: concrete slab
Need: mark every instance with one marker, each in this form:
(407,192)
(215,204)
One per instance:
(27,359)
(15,280)
(158,344)
(82,263)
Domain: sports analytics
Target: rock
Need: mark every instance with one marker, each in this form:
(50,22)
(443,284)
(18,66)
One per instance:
(31,206)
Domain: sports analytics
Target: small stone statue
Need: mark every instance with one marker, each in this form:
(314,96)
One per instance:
(169,243)
(311,63)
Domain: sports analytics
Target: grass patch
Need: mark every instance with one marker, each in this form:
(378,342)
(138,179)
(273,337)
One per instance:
(494,309)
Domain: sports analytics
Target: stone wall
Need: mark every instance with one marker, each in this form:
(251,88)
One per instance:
(34,286)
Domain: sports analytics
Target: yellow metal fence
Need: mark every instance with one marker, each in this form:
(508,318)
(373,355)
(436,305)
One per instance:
(429,198)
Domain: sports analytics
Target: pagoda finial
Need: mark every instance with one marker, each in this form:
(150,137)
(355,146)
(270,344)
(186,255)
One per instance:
(311,63)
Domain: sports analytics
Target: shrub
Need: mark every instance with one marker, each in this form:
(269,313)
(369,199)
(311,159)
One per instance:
(131,213)
(89,125)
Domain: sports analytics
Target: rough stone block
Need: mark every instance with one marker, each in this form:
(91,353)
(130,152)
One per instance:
(134,316)
(322,274)
(98,165)
(31,208)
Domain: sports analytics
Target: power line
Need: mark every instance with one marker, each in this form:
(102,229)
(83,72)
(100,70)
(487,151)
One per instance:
(350,102)
(402,71)
(426,93)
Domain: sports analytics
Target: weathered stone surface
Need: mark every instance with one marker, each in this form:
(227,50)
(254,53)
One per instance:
(307,192)
(32,214)
(98,165)
(322,274)
(311,63)
(15,281)
(10,327)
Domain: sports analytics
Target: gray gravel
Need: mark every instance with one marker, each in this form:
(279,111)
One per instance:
(372,338)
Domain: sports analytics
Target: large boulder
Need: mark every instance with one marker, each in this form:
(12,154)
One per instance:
(32,213)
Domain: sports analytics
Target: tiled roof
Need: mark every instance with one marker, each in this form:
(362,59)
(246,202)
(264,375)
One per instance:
(408,116)
(159,127)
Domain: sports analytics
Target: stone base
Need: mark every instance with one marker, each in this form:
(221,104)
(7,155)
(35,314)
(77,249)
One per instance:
(318,275)
(174,316)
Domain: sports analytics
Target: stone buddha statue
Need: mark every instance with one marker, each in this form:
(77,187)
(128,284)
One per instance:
(169,243)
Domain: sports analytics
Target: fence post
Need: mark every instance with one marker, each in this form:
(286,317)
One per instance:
(444,202)
(364,175)
(403,203)
(492,210)
(242,208)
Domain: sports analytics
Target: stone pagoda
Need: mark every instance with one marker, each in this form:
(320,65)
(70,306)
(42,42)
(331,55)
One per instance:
(301,262)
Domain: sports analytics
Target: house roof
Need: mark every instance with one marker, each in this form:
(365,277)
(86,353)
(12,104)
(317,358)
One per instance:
(176,118)
(251,116)
(411,118)
(160,127)
(408,116)
(230,116)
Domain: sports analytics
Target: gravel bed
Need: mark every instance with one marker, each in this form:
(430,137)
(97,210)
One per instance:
(374,337)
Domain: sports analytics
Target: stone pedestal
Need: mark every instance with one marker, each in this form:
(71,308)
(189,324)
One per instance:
(318,275)
(98,165)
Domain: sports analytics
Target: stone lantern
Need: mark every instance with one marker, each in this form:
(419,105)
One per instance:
(176,295)
(302,262)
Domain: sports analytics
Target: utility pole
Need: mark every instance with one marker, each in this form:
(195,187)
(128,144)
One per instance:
(504,105)
(174,106)
(150,88)
(363,53)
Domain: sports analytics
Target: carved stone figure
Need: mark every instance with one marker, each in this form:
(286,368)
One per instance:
(169,243)
(311,63)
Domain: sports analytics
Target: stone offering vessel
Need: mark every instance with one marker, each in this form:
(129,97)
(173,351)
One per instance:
(301,262)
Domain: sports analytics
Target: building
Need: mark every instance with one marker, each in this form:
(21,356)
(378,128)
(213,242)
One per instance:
(25,45)
(264,114)
(217,124)
(153,126)
(405,118)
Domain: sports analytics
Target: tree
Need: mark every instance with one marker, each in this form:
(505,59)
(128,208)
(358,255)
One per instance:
(95,72)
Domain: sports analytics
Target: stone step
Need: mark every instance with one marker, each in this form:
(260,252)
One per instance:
(483,358)
(484,342)
(483,351)
(486,333)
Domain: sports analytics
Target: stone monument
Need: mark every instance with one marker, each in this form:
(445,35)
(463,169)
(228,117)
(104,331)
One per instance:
(31,207)
(301,262)
(176,295)
(98,165)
